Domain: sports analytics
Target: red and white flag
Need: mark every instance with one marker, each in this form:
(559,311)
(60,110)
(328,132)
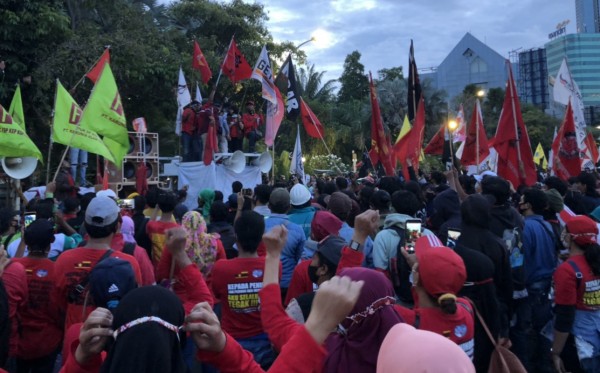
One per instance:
(566,160)
(476,141)
(275,107)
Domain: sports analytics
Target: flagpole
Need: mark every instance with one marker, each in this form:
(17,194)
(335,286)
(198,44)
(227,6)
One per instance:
(477,137)
(221,68)
(90,69)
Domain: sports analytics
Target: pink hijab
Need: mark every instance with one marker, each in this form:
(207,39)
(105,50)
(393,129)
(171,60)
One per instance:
(356,349)
(128,229)
(406,349)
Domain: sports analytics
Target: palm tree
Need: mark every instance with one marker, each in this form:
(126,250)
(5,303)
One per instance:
(310,87)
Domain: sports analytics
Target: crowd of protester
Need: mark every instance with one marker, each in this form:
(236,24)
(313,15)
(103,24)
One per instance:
(437,274)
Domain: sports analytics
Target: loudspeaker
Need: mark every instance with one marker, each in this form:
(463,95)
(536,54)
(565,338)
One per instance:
(19,167)
(264,162)
(143,144)
(236,163)
(129,168)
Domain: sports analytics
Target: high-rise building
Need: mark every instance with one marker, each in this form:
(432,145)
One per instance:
(587,13)
(582,52)
(533,78)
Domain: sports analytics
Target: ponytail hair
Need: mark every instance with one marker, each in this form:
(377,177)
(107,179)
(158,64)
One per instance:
(592,257)
(447,301)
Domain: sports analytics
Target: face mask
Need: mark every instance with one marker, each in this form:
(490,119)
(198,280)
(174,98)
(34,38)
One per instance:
(563,239)
(312,274)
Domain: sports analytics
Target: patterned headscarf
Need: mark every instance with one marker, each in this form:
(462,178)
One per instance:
(200,246)
(208,196)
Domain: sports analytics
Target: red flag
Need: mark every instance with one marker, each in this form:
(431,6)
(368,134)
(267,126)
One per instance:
(311,123)
(476,141)
(211,145)
(566,162)
(199,63)
(235,65)
(436,144)
(94,73)
(141,178)
(380,144)
(515,159)
(591,145)
(414,142)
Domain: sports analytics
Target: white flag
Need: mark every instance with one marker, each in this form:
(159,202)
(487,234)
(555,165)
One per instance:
(296,167)
(183,98)
(263,73)
(198,94)
(551,155)
(566,88)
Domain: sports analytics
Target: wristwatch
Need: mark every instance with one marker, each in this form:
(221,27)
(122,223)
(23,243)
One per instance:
(356,246)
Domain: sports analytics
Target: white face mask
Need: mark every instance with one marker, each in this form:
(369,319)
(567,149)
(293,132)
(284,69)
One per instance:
(565,239)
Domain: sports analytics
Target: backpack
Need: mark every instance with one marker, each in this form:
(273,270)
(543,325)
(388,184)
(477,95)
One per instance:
(129,248)
(512,238)
(80,289)
(400,270)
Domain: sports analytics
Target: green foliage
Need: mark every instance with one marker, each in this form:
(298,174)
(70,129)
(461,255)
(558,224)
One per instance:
(392,73)
(540,126)
(325,162)
(354,81)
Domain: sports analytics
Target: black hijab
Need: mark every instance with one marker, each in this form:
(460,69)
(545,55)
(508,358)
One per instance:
(150,346)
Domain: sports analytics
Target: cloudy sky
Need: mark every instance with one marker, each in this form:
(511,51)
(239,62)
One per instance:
(381,29)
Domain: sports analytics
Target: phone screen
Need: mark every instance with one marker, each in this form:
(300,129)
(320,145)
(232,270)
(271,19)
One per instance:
(453,235)
(128,204)
(28,218)
(413,232)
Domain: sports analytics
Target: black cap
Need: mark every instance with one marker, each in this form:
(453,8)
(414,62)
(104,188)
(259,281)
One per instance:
(331,248)
(39,234)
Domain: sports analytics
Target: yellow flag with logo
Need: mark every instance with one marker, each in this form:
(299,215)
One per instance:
(14,142)
(104,115)
(539,157)
(16,108)
(66,128)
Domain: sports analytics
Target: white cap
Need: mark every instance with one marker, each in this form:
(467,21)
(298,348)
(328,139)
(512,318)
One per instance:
(107,193)
(483,174)
(299,195)
(102,211)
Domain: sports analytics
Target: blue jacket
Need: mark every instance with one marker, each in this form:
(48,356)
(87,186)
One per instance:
(303,217)
(346,232)
(539,250)
(293,247)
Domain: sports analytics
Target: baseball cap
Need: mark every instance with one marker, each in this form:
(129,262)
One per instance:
(339,204)
(324,223)
(331,248)
(483,174)
(101,211)
(107,193)
(299,195)
(441,270)
(39,234)
(583,230)
(110,280)
(279,197)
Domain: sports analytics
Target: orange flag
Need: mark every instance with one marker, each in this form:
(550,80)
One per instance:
(97,70)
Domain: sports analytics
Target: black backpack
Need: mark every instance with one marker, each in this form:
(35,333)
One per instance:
(400,270)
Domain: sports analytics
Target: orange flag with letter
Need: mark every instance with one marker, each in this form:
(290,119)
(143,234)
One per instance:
(199,63)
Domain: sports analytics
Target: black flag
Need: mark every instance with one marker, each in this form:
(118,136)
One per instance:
(286,82)
(414,86)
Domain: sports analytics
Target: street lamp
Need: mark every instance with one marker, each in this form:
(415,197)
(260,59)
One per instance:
(480,93)
(452,125)
(306,42)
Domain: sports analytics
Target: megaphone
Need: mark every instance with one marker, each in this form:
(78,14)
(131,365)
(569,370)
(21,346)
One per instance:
(264,162)
(236,163)
(19,167)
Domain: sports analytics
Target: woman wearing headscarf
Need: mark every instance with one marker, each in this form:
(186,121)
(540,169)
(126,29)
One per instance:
(577,295)
(205,199)
(202,248)
(406,350)
(128,229)
(438,275)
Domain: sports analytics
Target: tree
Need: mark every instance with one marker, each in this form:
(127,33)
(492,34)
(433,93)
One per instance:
(354,83)
(436,108)
(540,126)
(310,87)
(391,73)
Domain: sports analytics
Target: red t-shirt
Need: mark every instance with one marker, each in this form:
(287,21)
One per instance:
(300,283)
(188,121)
(15,283)
(236,284)
(156,231)
(40,327)
(251,122)
(140,254)
(587,296)
(459,328)
(70,268)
